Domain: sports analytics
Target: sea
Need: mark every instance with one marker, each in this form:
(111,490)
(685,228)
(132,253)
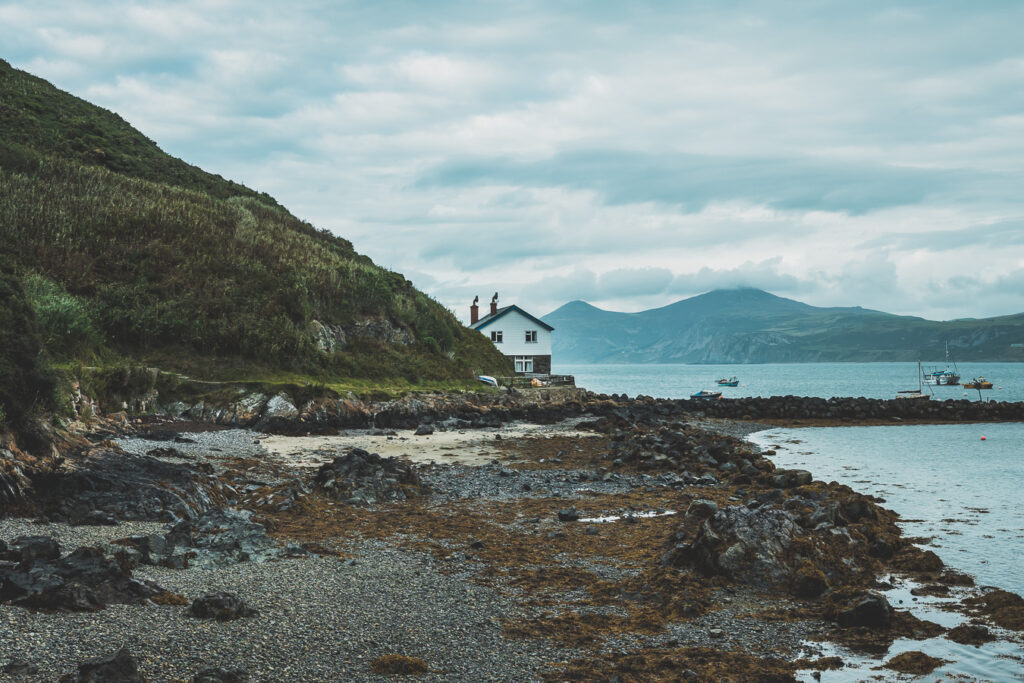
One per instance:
(957,485)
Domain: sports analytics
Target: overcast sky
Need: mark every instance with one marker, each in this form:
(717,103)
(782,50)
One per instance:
(629,154)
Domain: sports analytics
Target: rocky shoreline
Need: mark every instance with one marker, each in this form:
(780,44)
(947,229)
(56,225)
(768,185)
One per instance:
(630,538)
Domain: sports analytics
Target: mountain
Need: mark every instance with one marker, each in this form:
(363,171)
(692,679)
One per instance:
(124,253)
(753,326)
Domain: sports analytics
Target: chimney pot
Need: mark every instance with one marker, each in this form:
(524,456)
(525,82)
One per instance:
(474,311)
(494,304)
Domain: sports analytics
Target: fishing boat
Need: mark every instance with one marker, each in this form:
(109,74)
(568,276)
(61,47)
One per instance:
(947,377)
(978,383)
(917,394)
(729,382)
(705,395)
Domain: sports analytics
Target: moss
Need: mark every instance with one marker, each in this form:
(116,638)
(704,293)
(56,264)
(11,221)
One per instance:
(914,662)
(399,665)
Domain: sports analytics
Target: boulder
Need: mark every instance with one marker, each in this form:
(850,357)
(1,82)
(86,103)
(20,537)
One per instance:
(702,508)
(222,606)
(361,478)
(870,609)
(746,545)
(119,667)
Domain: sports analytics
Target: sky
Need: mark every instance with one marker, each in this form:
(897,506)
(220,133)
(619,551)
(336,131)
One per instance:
(627,154)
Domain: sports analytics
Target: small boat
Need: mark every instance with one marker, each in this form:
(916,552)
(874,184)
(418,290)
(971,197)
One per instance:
(702,395)
(487,379)
(946,378)
(978,383)
(729,382)
(917,394)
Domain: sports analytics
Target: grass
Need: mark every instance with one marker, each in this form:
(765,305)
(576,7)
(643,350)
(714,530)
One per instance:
(128,255)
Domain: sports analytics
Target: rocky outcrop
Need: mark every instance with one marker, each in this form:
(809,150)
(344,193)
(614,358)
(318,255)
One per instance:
(34,574)
(332,338)
(362,478)
(126,487)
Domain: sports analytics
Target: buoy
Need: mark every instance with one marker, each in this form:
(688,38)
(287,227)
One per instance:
(982,438)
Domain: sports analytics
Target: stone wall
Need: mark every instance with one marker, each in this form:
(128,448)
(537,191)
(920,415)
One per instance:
(541,364)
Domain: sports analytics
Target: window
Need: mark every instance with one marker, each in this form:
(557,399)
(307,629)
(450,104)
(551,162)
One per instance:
(531,336)
(496,337)
(524,363)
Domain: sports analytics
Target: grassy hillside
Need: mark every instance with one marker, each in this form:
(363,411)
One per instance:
(752,326)
(125,252)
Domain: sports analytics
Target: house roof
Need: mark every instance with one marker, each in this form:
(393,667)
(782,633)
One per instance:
(488,319)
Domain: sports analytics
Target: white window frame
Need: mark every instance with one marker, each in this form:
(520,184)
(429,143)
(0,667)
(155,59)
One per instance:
(496,336)
(524,364)
(531,336)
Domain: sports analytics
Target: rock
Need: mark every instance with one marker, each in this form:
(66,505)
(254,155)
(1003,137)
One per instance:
(280,407)
(219,675)
(914,662)
(95,518)
(119,667)
(19,667)
(746,545)
(870,610)
(809,581)
(424,430)
(970,634)
(882,548)
(359,477)
(569,515)
(702,508)
(222,606)
(785,479)
(31,549)
(85,580)
(218,538)
(716,633)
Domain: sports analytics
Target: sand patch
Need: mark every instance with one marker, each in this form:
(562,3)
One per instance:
(464,447)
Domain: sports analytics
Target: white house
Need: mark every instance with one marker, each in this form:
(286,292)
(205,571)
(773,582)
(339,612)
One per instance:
(522,338)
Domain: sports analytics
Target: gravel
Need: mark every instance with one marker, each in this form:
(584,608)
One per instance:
(320,619)
(222,443)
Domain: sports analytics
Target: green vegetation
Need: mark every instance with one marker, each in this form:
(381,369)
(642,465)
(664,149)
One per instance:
(26,388)
(128,255)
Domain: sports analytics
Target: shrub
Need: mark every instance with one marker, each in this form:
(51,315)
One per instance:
(66,321)
(25,386)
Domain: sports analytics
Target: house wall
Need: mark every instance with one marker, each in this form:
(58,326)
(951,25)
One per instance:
(514,327)
(541,364)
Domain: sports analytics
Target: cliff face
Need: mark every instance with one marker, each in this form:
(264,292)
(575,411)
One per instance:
(751,326)
(126,251)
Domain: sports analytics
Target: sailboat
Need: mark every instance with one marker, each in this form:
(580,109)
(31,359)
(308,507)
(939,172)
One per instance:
(915,393)
(945,377)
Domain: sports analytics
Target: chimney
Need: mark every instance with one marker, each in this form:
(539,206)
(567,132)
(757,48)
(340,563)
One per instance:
(494,304)
(474,311)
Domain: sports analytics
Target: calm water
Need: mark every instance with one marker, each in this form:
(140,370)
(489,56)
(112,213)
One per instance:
(872,380)
(948,485)
(944,480)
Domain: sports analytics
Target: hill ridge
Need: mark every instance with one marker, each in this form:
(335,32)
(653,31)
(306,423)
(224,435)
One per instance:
(749,325)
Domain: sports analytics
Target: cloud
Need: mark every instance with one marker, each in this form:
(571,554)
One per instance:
(624,153)
(693,181)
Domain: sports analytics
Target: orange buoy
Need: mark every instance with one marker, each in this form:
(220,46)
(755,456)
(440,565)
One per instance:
(982,438)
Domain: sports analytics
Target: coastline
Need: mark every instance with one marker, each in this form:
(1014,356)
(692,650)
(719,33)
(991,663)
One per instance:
(491,561)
